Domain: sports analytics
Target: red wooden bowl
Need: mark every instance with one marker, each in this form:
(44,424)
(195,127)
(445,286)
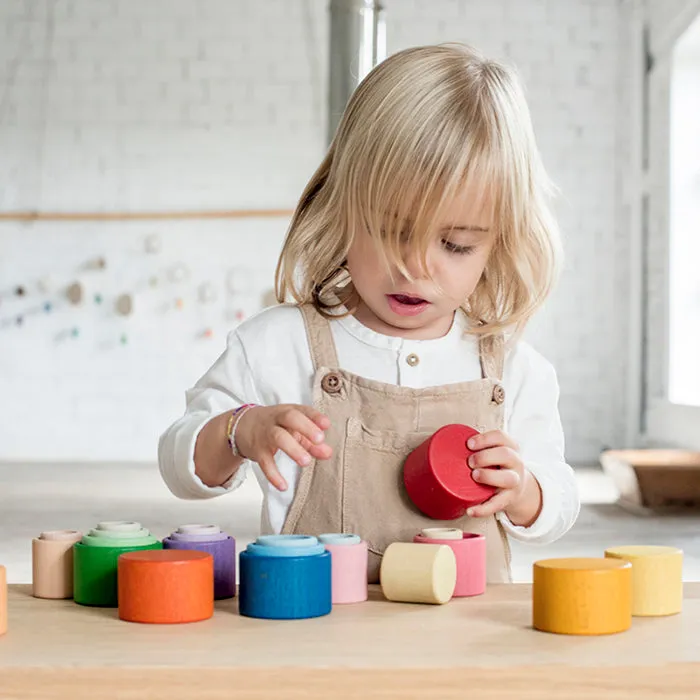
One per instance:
(437,477)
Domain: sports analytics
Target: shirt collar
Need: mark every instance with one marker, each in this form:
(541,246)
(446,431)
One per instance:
(390,342)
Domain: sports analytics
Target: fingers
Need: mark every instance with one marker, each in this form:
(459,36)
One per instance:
(322,451)
(303,422)
(507,479)
(321,420)
(285,441)
(495,457)
(498,478)
(495,504)
(492,438)
(269,469)
(298,431)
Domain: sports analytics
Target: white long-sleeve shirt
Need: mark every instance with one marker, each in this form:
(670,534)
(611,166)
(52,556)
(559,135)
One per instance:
(267,361)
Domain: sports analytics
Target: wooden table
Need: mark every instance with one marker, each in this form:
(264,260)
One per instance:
(470,648)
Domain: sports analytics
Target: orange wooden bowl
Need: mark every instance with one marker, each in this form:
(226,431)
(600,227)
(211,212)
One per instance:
(166,586)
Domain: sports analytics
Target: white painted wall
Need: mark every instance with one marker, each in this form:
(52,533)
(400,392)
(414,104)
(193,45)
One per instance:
(684,332)
(184,104)
(666,423)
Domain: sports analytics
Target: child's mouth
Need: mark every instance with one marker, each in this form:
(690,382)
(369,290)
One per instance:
(406,304)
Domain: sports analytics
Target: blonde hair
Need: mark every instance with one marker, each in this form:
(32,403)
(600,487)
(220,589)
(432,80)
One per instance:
(424,123)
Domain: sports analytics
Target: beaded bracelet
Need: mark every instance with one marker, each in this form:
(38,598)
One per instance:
(233,424)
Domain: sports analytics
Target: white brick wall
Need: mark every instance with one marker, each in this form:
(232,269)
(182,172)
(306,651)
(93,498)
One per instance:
(668,19)
(568,54)
(194,104)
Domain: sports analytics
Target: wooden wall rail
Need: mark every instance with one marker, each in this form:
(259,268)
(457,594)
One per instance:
(29,216)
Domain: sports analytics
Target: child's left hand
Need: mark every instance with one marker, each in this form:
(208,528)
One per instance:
(519,493)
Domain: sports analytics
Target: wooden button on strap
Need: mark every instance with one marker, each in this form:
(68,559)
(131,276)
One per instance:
(331,383)
(499,395)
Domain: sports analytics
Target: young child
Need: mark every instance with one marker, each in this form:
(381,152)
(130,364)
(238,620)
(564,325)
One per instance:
(416,255)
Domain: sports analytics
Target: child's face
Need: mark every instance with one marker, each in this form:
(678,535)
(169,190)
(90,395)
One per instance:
(424,308)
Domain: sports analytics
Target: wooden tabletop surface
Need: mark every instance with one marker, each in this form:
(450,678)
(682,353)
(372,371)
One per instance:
(483,645)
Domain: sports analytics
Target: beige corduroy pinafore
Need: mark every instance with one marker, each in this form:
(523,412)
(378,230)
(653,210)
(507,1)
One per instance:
(374,426)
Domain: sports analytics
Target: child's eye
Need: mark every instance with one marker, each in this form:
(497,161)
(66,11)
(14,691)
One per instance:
(457,249)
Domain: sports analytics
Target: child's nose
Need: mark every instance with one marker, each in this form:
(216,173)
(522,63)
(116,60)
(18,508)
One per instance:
(415,265)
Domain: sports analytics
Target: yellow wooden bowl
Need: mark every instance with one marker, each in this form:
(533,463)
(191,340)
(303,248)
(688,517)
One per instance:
(587,596)
(418,573)
(657,578)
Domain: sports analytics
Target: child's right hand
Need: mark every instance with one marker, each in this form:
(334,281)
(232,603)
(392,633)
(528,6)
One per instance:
(294,429)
